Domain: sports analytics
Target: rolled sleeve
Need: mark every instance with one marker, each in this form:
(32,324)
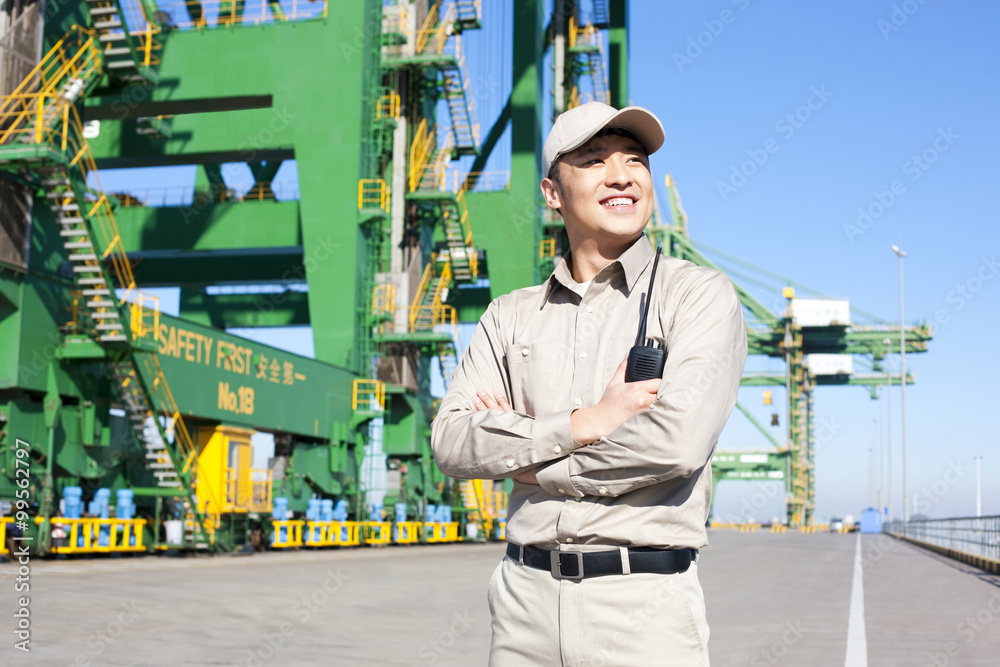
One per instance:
(492,444)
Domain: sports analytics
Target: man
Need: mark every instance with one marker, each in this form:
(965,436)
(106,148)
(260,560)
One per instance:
(612,480)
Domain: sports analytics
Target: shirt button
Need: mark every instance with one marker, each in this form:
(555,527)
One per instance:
(578,402)
(525,351)
(510,463)
(557,449)
(589,309)
(569,540)
(561,490)
(583,355)
(602,491)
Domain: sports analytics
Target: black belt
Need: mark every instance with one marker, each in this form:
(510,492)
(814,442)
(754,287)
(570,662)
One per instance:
(580,564)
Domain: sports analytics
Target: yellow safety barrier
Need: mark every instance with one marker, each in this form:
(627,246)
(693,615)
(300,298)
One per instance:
(377,532)
(808,529)
(93,535)
(365,390)
(291,536)
(332,534)
(441,532)
(778,528)
(406,532)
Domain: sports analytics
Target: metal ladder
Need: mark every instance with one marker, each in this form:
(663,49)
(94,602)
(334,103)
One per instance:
(127,55)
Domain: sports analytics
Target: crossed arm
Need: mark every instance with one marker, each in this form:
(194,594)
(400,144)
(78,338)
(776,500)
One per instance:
(620,401)
(636,435)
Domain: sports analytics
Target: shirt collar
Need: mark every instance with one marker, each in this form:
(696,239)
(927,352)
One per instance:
(633,262)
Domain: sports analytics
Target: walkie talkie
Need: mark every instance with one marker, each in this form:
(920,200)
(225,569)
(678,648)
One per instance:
(645,362)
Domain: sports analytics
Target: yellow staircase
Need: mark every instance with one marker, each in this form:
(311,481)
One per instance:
(42,129)
(440,38)
(128,38)
(428,309)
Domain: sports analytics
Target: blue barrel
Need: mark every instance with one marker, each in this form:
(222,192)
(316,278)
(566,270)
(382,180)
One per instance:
(430,514)
(326,510)
(400,511)
(124,508)
(72,502)
(444,514)
(340,511)
(279,512)
(312,513)
(376,513)
(99,505)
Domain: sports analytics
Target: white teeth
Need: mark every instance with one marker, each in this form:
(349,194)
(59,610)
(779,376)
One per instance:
(619,201)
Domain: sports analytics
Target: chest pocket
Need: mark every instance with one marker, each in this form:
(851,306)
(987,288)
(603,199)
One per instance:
(538,377)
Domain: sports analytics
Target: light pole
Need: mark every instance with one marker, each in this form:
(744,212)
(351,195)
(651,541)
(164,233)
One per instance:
(902,381)
(888,420)
(979,487)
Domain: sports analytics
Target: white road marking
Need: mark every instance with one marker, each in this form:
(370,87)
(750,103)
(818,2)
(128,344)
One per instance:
(857,639)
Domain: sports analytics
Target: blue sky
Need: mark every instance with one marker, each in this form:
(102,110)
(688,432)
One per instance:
(880,93)
(887,107)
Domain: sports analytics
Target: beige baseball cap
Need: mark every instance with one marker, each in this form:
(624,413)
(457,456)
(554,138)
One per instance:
(577,126)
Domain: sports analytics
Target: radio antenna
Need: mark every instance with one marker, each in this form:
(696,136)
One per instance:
(640,339)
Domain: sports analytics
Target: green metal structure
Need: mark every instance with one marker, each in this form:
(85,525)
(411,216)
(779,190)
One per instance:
(396,234)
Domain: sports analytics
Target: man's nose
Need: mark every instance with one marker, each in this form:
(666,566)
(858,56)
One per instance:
(617,174)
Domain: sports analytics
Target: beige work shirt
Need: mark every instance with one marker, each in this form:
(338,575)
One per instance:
(553,348)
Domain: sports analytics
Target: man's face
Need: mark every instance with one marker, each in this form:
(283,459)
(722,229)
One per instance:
(607,190)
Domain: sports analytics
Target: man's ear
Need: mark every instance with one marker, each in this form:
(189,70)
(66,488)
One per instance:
(551,193)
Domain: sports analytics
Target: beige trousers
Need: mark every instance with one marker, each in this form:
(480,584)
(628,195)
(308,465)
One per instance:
(634,620)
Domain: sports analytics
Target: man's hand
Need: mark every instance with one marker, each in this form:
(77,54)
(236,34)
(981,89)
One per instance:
(484,401)
(620,401)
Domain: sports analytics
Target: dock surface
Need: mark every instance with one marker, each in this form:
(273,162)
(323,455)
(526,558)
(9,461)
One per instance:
(773,599)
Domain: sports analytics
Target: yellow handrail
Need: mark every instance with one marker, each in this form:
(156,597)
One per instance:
(547,248)
(418,298)
(373,192)
(427,28)
(424,139)
(388,106)
(365,390)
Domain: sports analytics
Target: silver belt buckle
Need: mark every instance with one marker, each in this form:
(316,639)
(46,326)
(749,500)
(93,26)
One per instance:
(557,565)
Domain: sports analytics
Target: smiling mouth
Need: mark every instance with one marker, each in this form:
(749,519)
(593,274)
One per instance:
(618,202)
